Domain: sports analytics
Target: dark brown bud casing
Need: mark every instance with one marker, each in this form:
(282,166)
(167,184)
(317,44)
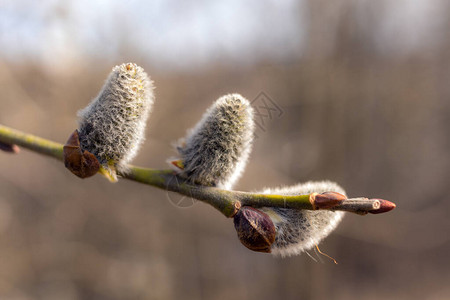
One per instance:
(255,229)
(326,200)
(11,148)
(81,163)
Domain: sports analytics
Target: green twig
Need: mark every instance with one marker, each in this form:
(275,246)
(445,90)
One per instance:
(31,142)
(227,202)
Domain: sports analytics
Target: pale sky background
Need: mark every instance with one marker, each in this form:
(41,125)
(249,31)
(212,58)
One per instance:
(186,34)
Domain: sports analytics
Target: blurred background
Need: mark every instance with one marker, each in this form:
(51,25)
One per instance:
(352,91)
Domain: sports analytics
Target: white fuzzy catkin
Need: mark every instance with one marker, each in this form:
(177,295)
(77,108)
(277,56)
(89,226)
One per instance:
(112,126)
(300,230)
(216,150)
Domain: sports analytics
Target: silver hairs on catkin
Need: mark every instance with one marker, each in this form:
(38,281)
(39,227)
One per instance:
(112,126)
(216,150)
(300,230)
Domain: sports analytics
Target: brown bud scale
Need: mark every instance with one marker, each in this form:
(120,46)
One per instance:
(81,163)
(255,229)
(326,200)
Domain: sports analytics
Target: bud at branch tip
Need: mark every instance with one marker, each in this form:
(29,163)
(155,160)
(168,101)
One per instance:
(384,206)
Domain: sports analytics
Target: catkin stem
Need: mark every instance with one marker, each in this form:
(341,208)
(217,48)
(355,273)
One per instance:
(227,202)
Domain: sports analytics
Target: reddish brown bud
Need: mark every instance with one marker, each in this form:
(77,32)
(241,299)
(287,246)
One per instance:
(81,163)
(326,200)
(11,148)
(255,229)
(385,206)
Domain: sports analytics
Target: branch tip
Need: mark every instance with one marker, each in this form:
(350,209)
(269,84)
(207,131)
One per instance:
(384,206)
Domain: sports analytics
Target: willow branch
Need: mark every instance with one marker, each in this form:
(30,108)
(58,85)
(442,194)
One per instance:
(227,202)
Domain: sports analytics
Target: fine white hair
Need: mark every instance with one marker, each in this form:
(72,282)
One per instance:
(298,230)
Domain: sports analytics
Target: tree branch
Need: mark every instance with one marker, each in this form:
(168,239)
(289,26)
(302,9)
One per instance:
(227,202)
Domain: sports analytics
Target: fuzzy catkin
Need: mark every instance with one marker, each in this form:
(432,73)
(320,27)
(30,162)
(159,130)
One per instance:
(216,150)
(112,126)
(300,230)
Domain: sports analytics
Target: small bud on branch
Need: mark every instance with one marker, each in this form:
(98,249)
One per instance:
(11,148)
(326,200)
(255,229)
(83,164)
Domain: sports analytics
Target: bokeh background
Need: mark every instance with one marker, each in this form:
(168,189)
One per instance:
(364,91)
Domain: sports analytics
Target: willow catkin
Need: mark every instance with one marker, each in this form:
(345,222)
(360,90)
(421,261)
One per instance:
(299,230)
(112,126)
(216,150)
